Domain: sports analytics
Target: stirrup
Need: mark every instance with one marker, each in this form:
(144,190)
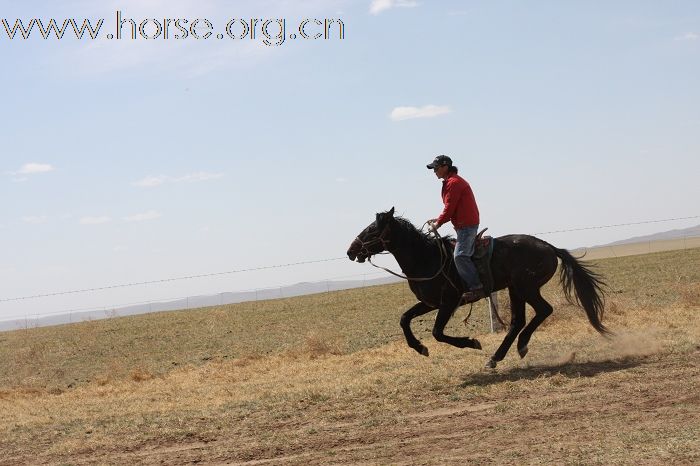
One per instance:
(473,296)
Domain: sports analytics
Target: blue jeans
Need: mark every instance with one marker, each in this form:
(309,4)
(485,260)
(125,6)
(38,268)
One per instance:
(464,250)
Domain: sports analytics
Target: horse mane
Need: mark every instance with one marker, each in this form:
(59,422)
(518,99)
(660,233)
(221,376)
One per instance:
(424,238)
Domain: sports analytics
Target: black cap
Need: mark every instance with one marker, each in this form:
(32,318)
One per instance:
(439,161)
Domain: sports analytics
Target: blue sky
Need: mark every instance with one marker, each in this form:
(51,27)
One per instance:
(141,160)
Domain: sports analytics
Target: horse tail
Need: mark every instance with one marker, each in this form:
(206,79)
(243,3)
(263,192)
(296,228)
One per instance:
(583,287)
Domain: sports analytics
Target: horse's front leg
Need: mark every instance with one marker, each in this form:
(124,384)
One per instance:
(441,320)
(517,322)
(417,310)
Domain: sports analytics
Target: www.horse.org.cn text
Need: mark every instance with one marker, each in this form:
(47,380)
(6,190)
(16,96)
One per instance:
(270,31)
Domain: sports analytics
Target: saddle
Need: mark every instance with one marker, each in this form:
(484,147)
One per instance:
(483,250)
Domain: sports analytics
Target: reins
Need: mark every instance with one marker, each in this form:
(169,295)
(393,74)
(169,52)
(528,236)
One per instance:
(444,258)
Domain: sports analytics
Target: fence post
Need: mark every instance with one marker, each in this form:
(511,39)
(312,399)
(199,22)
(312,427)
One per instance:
(492,300)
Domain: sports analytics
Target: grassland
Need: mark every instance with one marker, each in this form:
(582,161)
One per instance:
(327,379)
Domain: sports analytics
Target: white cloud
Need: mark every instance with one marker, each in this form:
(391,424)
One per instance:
(34,168)
(377,6)
(95,220)
(154,181)
(35,219)
(199,176)
(142,217)
(427,111)
(688,36)
(151,181)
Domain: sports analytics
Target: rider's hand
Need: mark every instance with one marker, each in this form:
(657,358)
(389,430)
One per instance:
(432,223)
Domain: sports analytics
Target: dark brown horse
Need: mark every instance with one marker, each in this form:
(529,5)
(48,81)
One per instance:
(521,263)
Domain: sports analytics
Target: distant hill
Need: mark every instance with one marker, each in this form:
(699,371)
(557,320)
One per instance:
(194,302)
(298,289)
(664,235)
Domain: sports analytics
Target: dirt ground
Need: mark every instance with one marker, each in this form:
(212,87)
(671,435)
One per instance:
(127,391)
(643,410)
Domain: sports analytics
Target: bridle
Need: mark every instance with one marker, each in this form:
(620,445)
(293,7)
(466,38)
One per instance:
(380,238)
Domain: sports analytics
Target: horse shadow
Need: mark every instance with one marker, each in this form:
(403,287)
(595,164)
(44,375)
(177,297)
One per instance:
(570,370)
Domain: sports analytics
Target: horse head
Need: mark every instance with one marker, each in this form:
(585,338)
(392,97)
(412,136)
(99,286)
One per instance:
(373,239)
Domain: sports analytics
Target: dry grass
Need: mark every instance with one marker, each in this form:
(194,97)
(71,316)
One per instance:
(327,379)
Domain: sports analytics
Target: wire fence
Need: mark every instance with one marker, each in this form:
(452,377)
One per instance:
(169,303)
(640,247)
(166,280)
(187,302)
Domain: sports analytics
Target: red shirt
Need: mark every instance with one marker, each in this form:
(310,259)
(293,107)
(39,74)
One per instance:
(460,205)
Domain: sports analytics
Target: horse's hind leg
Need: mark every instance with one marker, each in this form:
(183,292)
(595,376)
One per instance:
(441,320)
(417,310)
(542,310)
(517,322)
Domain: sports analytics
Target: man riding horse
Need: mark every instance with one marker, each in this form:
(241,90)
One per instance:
(460,208)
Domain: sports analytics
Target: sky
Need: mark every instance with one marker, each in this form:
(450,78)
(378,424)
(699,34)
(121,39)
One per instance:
(128,161)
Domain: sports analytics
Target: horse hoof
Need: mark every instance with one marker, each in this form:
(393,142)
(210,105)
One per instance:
(522,352)
(490,364)
(476,344)
(424,351)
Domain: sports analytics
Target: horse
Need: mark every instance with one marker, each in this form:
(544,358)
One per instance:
(520,263)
